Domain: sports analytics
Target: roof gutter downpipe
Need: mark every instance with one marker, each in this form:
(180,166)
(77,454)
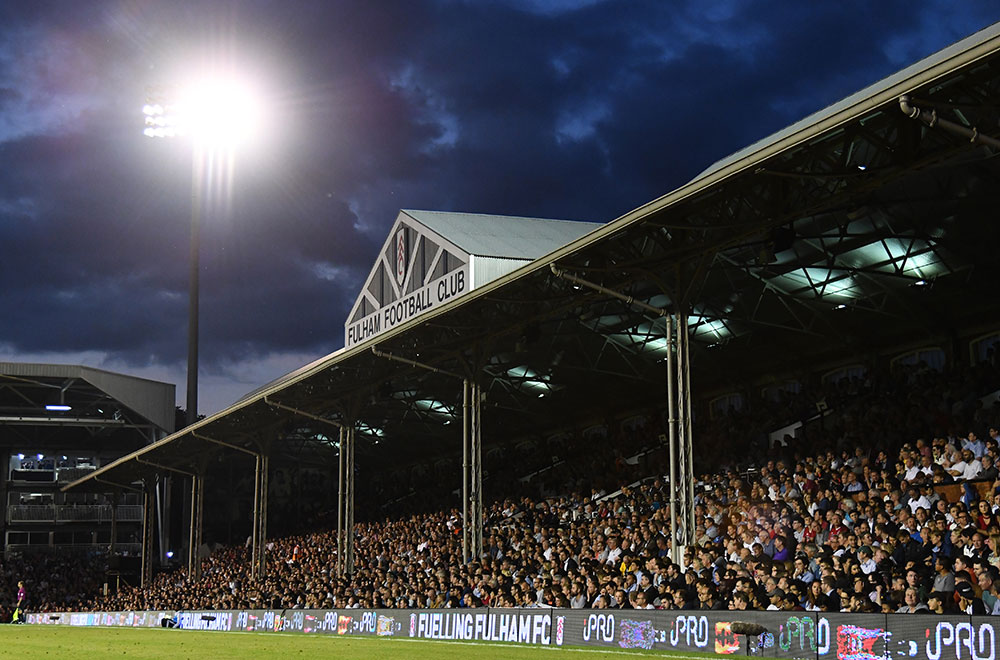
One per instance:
(931,119)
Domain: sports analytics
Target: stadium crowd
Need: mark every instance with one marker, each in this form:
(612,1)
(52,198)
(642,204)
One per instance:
(886,506)
(53,582)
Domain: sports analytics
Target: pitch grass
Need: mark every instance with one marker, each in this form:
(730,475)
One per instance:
(66,643)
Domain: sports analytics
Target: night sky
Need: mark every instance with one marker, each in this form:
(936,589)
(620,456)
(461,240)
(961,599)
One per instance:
(572,109)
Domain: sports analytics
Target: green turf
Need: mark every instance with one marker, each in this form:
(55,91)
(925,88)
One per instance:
(66,643)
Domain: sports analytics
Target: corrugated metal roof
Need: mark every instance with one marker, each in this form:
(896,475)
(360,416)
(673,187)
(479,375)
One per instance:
(153,400)
(502,235)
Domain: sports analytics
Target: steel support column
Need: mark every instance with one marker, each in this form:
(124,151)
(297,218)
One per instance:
(684,485)
(114,522)
(258,525)
(148,523)
(475,473)
(466,418)
(340,503)
(672,438)
(194,533)
(162,515)
(347,488)
(345,502)
(681,447)
(261,523)
(688,480)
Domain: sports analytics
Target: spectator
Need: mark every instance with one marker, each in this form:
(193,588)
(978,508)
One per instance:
(912,603)
(968,602)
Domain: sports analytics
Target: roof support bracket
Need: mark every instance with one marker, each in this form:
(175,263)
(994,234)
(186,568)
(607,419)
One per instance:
(414,363)
(629,300)
(139,459)
(111,483)
(225,444)
(931,119)
(317,418)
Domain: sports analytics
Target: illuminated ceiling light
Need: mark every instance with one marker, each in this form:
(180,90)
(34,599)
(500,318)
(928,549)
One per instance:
(39,456)
(530,378)
(921,283)
(840,306)
(20,457)
(862,167)
(58,407)
(366,429)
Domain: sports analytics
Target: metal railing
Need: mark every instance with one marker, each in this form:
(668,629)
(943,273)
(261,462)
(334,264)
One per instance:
(34,548)
(69,475)
(72,513)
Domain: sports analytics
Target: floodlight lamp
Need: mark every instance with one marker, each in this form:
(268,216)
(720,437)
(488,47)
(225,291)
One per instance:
(216,112)
(219,112)
(20,457)
(39,456)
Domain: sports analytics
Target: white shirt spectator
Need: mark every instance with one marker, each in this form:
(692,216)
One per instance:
(957,470)
(919,503)
(972,469)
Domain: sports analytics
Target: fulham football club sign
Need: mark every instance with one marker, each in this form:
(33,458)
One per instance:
(430,258)
(393,295)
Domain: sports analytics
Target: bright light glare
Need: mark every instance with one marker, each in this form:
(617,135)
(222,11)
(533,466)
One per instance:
(215,112)
(60,407)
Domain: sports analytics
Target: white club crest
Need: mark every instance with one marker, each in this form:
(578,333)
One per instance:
(401,256)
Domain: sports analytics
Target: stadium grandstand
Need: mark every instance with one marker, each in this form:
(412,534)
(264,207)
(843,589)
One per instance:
(774,388)
(59,423)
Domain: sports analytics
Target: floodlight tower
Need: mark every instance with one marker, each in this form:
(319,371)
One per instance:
(217,114)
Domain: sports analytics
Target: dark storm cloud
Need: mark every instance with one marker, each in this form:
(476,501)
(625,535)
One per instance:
(552,108)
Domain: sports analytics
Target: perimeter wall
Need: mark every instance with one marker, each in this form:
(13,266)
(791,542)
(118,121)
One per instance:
(790,635)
